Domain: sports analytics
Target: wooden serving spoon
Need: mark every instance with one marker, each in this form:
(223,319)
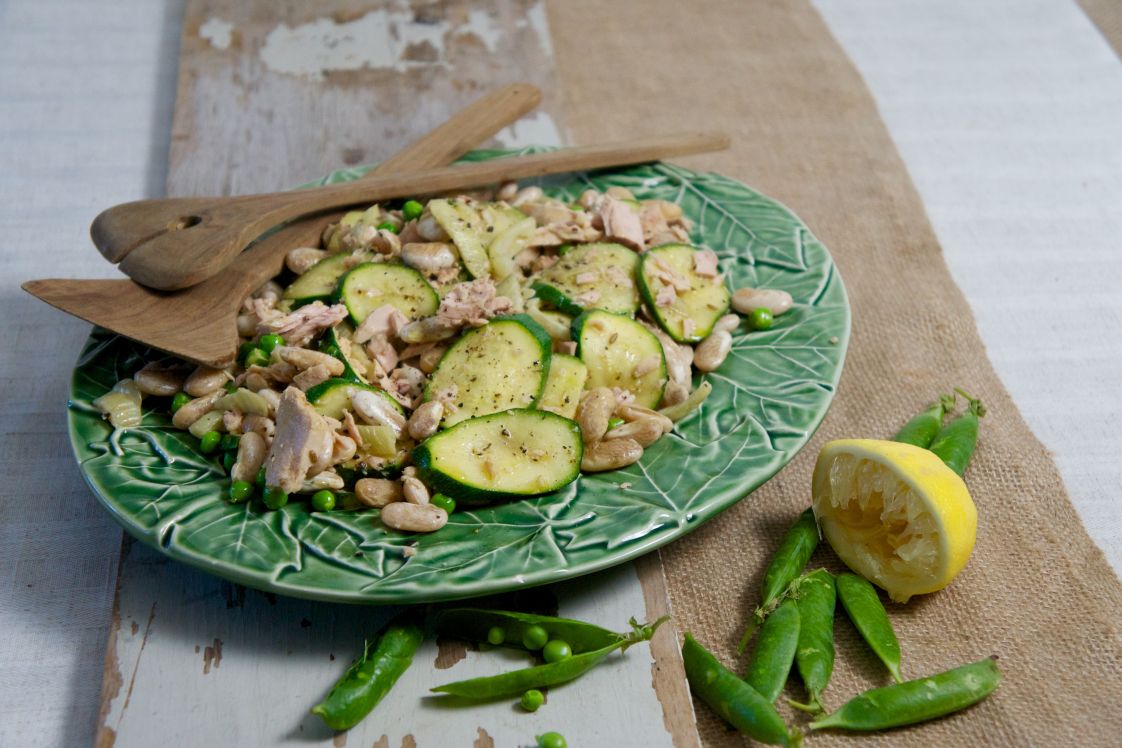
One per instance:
(199,323)
(174,243)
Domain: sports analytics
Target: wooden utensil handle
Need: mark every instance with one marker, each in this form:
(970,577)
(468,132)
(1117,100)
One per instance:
(189,240)
(471,126)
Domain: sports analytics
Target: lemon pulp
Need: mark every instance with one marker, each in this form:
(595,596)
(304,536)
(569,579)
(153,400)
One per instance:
(895,514)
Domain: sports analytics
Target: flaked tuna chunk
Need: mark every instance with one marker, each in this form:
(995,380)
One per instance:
(384,322)
(705,263)
(301,446)
(666,296)
(621,223)
(300,326)
(472,303)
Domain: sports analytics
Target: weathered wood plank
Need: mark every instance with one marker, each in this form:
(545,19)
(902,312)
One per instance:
(270,95)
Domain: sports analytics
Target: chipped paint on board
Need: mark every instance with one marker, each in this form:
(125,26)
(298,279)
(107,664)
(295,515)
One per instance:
(218,32)
(386,39)
(534,129)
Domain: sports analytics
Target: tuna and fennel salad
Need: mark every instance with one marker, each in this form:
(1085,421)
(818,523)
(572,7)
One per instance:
(464,351)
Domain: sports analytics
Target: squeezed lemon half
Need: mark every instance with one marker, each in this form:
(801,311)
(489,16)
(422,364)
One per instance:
(895,514)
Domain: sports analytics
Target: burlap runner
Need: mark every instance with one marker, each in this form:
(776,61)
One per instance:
(1107,16)
(1037,592)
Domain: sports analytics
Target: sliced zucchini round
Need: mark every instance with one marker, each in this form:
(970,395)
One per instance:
(615,349)
(339,341)
(496,367)
(703,304)
(563,385)
(319,282)
(507,245)
(375,284)
(512,454)
(592,276)
(332,397)
(468,231)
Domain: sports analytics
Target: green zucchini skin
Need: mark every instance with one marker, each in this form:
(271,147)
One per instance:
(525,452)
(616,291)
(705,302)
(611,361)
(488,379)
(320,281)
(373,284)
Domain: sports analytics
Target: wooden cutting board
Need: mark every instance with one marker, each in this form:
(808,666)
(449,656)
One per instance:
(273,94)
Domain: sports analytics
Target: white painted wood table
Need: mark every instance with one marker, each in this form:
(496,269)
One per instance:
(1004,112)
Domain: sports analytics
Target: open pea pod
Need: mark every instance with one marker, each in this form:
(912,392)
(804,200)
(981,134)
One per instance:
(475,624)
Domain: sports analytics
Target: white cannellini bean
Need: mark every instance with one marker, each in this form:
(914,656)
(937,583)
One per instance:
(638,413)
(386,242)
(727,323)
(251,456)
(430,358)
(408,517)
(195,409)
(205,380)
(712,351)
(527,195)
(414,491)
(155,379)
(325,480)
(646,431)
(428,257)
(594,412)
(610,455)
(247,325)
(343,449)
(303,358)
(375,410)
(507,191)
(425,420)
(272,397)
(426,330)
(430,229)
(747,300)
(299,260)
(378,492)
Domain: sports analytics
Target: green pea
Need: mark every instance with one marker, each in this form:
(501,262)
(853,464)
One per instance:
(535,637)
(275,497)
(180,399)
(761,319)
(257,357)
(532,700)
(323,501)
(552,740)
(268,342)
(229,442)
(614,422)
(387,226)
(496,635)
(411,210)
(259,480)
(230,388)
(209,442)
(333,350)
(447,503)
(245,349)
(240,491)
(228,460)
(556,650)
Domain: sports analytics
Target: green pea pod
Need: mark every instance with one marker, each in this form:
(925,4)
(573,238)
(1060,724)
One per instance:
(788,562)
(916,700)
(955,442)
(371,676)
(738,703)
(863,605)
(775,651)
(517,682)
(474,624)
(816,598)
(921,430)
